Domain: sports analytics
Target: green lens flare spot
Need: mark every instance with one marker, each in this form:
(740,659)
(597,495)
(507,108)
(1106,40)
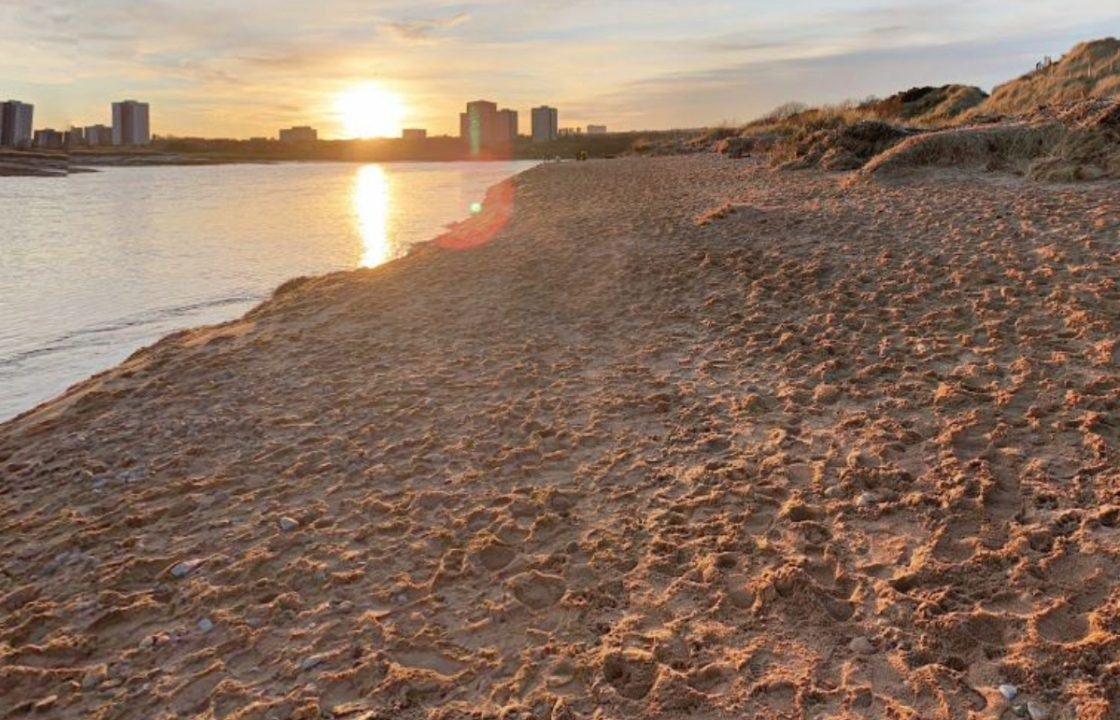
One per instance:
(476,208)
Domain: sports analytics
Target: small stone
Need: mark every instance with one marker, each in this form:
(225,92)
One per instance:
(866,499)
(312,661)
(1009,692)
(185,568)
(94,676)
(287,524)
(861,645)
(1019,710)
(205,625)
(46,703)
(148,641)
(1036,711)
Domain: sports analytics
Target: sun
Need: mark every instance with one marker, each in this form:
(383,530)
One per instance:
(370,111)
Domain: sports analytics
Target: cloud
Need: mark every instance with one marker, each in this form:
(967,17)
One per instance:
(218,67)
(420,30)
(744,90)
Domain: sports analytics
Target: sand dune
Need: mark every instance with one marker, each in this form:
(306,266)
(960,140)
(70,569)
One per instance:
(686,439)
(1089,70)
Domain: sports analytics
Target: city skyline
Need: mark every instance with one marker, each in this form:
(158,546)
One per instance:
(129,125)
(483,124)
(630,66)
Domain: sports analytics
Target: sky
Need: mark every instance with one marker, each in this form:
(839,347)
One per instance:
(242,68)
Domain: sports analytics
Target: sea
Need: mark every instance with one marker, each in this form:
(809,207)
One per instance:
(97,265)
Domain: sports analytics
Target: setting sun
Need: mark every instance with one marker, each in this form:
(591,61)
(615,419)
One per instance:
(370,111)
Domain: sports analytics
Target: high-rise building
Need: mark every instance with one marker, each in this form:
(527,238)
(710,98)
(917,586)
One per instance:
(74,137)
(16,123)
(505,129)
(49,139)
(130,123)
(478,123)
(483,125)
(546,123)
(97,135)
(300,133)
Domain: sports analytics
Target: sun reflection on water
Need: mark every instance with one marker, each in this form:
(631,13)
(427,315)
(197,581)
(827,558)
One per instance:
(371,201)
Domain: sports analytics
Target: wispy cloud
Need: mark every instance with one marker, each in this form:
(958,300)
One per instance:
(423,30)
(216,67)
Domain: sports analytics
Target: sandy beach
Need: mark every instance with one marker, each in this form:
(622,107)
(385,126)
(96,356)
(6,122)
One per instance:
(674,437)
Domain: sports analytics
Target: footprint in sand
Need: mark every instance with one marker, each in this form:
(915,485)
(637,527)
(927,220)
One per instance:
(538,590)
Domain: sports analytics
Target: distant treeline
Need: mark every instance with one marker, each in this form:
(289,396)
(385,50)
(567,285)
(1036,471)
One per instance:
(386,150)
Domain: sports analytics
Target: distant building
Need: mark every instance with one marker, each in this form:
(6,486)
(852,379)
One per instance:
(478,123)
(569,131)
(130,123)
(301,133)
(506,129)
(484,126)
(48,139)
(596,129)
(545,123)
(74,137)
(98,135)
(414,134)
(16,123)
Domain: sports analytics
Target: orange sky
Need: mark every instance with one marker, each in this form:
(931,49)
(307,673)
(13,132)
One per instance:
(223,69)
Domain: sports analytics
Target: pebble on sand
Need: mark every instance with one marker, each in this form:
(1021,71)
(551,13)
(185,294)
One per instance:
(205,625)
(94,676)
(1009,692)
(287,524)
(46,703)
(1036,711)
(861,645)
(185,568)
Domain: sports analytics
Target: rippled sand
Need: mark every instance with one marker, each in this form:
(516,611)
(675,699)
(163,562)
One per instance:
(686,439)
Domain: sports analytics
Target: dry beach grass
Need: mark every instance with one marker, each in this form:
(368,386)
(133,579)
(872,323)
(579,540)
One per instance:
(687,439)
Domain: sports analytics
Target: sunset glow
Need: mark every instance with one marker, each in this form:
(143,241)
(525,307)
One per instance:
(370,111)
(371,204)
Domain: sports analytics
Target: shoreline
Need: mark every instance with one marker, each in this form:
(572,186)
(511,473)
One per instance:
(13,168)
(448,231)
(674,436)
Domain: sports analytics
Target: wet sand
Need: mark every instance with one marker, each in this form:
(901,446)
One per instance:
(685,439)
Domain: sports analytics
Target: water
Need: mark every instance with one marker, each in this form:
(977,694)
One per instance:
(97,265)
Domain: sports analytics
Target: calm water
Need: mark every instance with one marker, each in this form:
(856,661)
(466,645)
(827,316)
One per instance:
(97,265)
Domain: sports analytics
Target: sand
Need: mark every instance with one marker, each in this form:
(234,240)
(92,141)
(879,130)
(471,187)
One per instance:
(678,438)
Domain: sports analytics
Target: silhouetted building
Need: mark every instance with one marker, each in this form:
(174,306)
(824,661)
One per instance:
(300,133)
(414,134)
(566,132)
(596,129)
(545,123)
(15,123)
(506,130)
(48,139)
(478,123)
(484,126)
(98,135)
(130,123)
(74,137)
